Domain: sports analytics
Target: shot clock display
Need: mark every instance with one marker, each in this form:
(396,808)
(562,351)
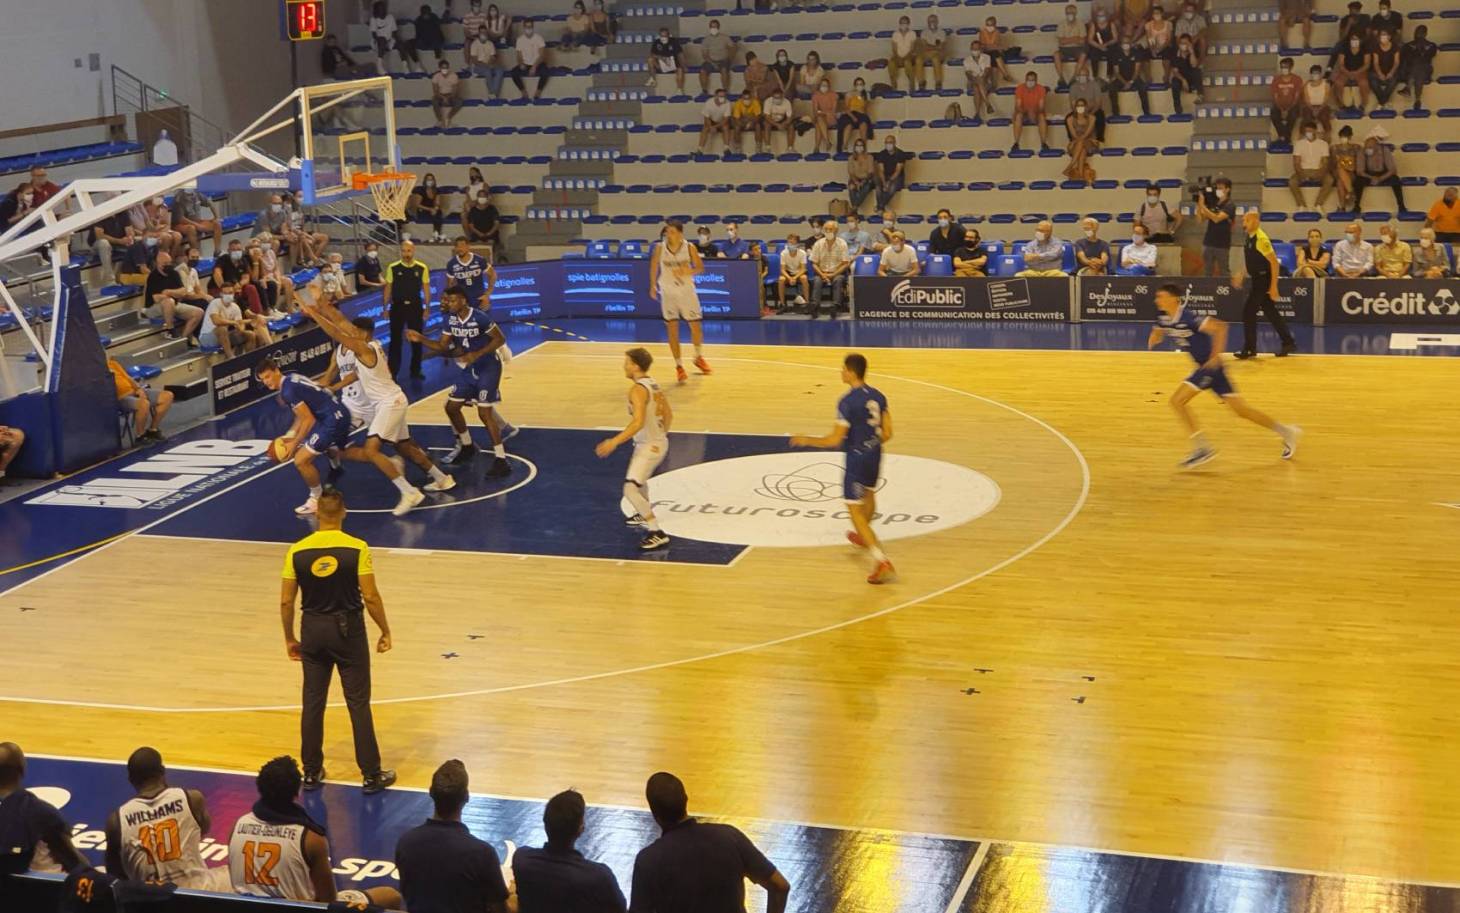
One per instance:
(304,19)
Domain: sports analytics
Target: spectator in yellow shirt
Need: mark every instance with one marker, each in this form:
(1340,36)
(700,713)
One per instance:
(1392,257)
(745,115)
(148,405)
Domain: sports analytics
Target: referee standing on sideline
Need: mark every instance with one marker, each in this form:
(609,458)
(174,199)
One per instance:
(337,580)
(1262,272)
(407,293)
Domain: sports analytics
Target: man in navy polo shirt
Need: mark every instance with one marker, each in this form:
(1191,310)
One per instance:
(694,866)
(32,832)
(443,868)
(556,878)
(734,247)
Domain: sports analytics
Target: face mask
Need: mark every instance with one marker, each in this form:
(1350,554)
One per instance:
(1082,77)
(1079,109)
(1090,233)
(371,255)
(859,148)
(1153,198)
(1426,242)
(1386,239)
(1309,134)
(1353,236)
(1031,83)
(1221,193)
(235,255)
(1069,17)
(276,207)
(482,200)
(860,87)
(732,233)
(1125,47)
(704,239)
(1042,236)
(719,99)
(826,87)
(527,31)
(227,298)
(854,227)
(714,30)
(1138,239)
(942,223)
(1353,45)
(430,183)
(780,58)
(1287,70)
(890,146)
(897,245)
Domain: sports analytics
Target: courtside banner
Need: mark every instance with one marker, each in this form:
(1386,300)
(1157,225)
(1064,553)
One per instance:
(1134,297)
(233,381)
(1407,301)
(954,298)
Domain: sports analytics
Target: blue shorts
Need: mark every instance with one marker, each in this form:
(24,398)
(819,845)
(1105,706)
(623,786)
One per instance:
(479,382)
(331,431)
(1213,379)
(861,476)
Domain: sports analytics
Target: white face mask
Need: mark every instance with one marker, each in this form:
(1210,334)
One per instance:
(714,30)
(1309,135)
(1353,236)
(897,245)
(1426,242)
(704,239)
(826,87)
(1031,83)
(731,233)
(1386,239)
(1221,193)
(1069,17)
(1079,109)
(235,255)
(1138,239)
(1090,233)
(942,223)
(1153,198)
(859,148)
(371,255)
(227,298)
(890,146)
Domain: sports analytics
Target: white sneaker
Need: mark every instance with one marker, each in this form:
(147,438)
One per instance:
(277,314)
(445,484)
(408,500)
(309,508)
(800,299)
(1290,441)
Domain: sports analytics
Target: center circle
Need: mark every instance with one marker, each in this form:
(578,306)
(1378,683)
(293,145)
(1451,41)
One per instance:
(796,499)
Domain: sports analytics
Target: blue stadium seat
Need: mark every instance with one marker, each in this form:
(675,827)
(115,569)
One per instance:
(1287,256)
(601,250)
(1068,263)
(865,265)
(634,250)
(939,265)
(1011,264)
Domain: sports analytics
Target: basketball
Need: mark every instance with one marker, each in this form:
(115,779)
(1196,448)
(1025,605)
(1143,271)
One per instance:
(279,449)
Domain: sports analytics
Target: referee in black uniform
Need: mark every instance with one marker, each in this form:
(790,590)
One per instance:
(407,294)
(1262,271)
(337,579)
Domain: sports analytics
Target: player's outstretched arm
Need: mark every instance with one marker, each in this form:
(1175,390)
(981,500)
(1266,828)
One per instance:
(440,346)
(833,439)
(336,327)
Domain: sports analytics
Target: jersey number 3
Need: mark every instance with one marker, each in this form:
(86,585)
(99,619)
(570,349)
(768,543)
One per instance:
(874,414)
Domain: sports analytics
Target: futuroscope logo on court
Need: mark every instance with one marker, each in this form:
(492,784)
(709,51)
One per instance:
(796,499)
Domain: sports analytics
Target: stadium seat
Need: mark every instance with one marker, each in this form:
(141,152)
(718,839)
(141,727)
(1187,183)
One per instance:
(1287,256)
(634,250)
(865,265)
(601,250)
(939,265)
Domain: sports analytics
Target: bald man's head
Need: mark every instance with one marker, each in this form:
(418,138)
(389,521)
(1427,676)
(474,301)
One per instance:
(12,764)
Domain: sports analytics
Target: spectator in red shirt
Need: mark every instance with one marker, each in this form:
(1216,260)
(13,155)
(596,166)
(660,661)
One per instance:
(41,189)
(1029,110)
(1287,90)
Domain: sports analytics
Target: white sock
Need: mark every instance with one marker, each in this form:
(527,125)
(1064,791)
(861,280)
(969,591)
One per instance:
(436,474)
(316,490)
(678,362)
(500,451)
(401,483)
(652,524)
(699,351)
(464,437)
(1199,439)
(877,552)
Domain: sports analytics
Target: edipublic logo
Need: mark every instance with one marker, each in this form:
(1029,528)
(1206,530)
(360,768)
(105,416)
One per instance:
(907,295)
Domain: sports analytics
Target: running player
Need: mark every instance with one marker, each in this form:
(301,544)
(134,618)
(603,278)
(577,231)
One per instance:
(863,425)
(388,407)
(155,836)
(472,339)
(1205,339)
(278,850)
(342,378)
(321,425)
(672,271)
(473,273)
(649,421)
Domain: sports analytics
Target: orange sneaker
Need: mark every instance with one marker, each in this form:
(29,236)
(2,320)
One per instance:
(681,374)
(701,365)
(883,574)
(856,539)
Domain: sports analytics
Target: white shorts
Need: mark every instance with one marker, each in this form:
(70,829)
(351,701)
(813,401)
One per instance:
(389,423)
(645,460)
(361,413)
(679,305)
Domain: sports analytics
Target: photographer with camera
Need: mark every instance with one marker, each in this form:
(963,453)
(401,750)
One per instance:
(1214,207)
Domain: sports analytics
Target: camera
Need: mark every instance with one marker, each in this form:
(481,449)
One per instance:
(1205,190)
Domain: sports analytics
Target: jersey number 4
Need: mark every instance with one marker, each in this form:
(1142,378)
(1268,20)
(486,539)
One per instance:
(259,860)
(162,841)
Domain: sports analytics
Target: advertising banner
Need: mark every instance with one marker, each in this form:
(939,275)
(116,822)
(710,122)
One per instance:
(620,288)
(233,382)
(1407,301)
(1134,297)
(954,298)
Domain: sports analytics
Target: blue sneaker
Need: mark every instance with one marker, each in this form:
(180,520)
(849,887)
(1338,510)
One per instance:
(508,430)
(1198,456)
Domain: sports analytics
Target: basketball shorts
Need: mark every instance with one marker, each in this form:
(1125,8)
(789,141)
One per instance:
(331,431)
(861,476)
(645,460)
(1213,379)
(677,304)
(361,412)
(389,421)
(480,382)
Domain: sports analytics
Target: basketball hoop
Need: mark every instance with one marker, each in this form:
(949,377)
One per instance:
(390,189)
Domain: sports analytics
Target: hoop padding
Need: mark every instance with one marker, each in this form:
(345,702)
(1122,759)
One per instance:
(390,190)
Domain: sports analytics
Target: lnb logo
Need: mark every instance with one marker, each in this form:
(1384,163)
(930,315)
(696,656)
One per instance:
(907,295)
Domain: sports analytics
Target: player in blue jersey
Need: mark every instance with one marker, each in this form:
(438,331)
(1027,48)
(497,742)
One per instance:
(471,272)
(1205,339)
(863,425)
(321,425)
(472,340)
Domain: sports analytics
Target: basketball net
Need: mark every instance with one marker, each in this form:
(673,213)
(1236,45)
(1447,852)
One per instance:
(389,189)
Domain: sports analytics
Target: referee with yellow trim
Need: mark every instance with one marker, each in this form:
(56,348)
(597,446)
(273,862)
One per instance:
(1262,295)
(336,578)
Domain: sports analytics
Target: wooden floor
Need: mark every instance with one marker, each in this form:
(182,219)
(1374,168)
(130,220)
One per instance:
(1255,662)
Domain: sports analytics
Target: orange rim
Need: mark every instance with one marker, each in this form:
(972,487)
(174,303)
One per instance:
(362,179)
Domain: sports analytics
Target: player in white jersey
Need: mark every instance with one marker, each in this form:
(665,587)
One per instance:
(672,270)
(388,406)
(156,835)
(649,421)
(341,377)
(277,850)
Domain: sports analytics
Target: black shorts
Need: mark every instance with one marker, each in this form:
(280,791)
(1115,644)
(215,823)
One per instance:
(1072,55)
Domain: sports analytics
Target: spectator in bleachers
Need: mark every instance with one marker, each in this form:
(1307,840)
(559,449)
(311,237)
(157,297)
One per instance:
(946,236)
(1080,127)
(717,54)
(110,238)
(1194,25)
(195,290)
(979,77)
(427,199)
(1311,162)
(442,866)
(445,94)
(758,82)
(1029,110)
(831,263)
(264,271)
(883,239)
(578,30)
(1132,16)
(1160,43)
(1352,71)
(859,241)
(11,440)
(368,268)
(482,223)
(1353,257)
(1376,167)
(716,118)
(782,75)
(1216,243)
(1430,259)
(272,219)
(1417,64)
(809,77)
(1070,52)
(305,245)
(1045,255)
(793,271)
(823,115)
(779,116)
(1392,257)
(336,63)
(932,52)
(1317,100)
(1092,253)
(1311,258)
(855,121)
(1138,258)
(666,55)
(1101,38)
(707,248)
(1386,20)
(430,36)
(232,269)
(36,836)
(1295,12)
(41,187)
(192,215)
(970,260)
(734,247)
(164,291)
(605,24)
(695,866)
(473,19)
(1287,97)
(159,226)
(903,56)
(556,878)
(137,261)
(148,406)
(747,115)
(1355,24)
(531,59)
(225,326)
(991,40)
(499,27)
(1384,72)
(1156,217)
(898,257)
(1086,88)
(482,59)
(891,170)
(475,184)
(382,27)
(1125,76)
(1444,216)
(17,204)
(405,44)
(1345,154)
